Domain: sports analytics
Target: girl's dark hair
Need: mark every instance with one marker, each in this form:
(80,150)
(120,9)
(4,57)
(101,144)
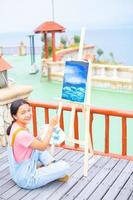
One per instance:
(13,111)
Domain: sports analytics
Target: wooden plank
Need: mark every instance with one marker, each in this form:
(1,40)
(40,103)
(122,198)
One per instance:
(33,193)
(2,149)
(1,198)
(2,155)
(131,197)
(79,186)
(6,186)
(3,160)
(70,155)
(126,190)
(87,185)
(10,192)
(56,150)
(4,172)
(75,156)
(79,156)
(4,166)
(119,183)
(75,178)
(102,189)
(61,154)
(5,179)
(19,194)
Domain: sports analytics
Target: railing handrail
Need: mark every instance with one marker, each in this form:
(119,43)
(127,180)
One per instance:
(123,114)
(96,110)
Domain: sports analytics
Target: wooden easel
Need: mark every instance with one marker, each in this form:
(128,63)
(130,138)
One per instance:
(86,114)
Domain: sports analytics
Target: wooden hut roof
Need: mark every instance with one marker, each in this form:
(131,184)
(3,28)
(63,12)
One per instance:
(49,26)
(4,65)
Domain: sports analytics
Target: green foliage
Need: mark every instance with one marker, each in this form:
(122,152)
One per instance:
(76,39)
(63,40)
(100,52)
(112,57)
(42,52)
(50,46)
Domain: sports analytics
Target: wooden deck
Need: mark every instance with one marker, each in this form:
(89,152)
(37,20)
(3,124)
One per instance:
(108,179)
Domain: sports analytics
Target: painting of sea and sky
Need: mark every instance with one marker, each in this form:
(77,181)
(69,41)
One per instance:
(75,81)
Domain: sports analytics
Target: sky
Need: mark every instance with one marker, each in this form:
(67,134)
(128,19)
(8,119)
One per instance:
(26,15)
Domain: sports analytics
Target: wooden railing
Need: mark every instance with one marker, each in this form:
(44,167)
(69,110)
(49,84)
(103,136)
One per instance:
(16,50)
(107,113)
(64,54)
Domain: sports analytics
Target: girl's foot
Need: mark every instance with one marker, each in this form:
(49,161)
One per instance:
(63,179)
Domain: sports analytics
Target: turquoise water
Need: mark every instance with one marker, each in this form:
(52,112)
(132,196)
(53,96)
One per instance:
(45,91)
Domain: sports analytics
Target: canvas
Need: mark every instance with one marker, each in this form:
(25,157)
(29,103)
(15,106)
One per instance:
(75,81)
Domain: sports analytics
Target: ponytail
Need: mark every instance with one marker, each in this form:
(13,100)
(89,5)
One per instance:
(9,128)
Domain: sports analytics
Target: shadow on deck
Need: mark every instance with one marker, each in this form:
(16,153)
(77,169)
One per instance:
(108,178)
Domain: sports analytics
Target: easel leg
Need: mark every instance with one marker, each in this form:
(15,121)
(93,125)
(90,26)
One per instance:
(71,129)
(86,112)
(59,111)
(88,143)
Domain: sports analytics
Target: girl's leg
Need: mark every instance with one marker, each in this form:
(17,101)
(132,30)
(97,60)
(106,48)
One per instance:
(45,157)
(43,175)
(51,172)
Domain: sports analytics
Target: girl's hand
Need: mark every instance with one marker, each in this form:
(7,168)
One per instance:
(53,122)
(42,145)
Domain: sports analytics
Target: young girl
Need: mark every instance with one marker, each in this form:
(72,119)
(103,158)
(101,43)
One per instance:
(26,151)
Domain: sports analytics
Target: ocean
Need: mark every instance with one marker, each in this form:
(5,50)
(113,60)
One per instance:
(116,41)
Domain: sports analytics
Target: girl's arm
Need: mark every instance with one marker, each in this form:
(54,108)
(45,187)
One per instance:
(42,145)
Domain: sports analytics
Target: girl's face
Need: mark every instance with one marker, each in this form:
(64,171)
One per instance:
(23,115)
